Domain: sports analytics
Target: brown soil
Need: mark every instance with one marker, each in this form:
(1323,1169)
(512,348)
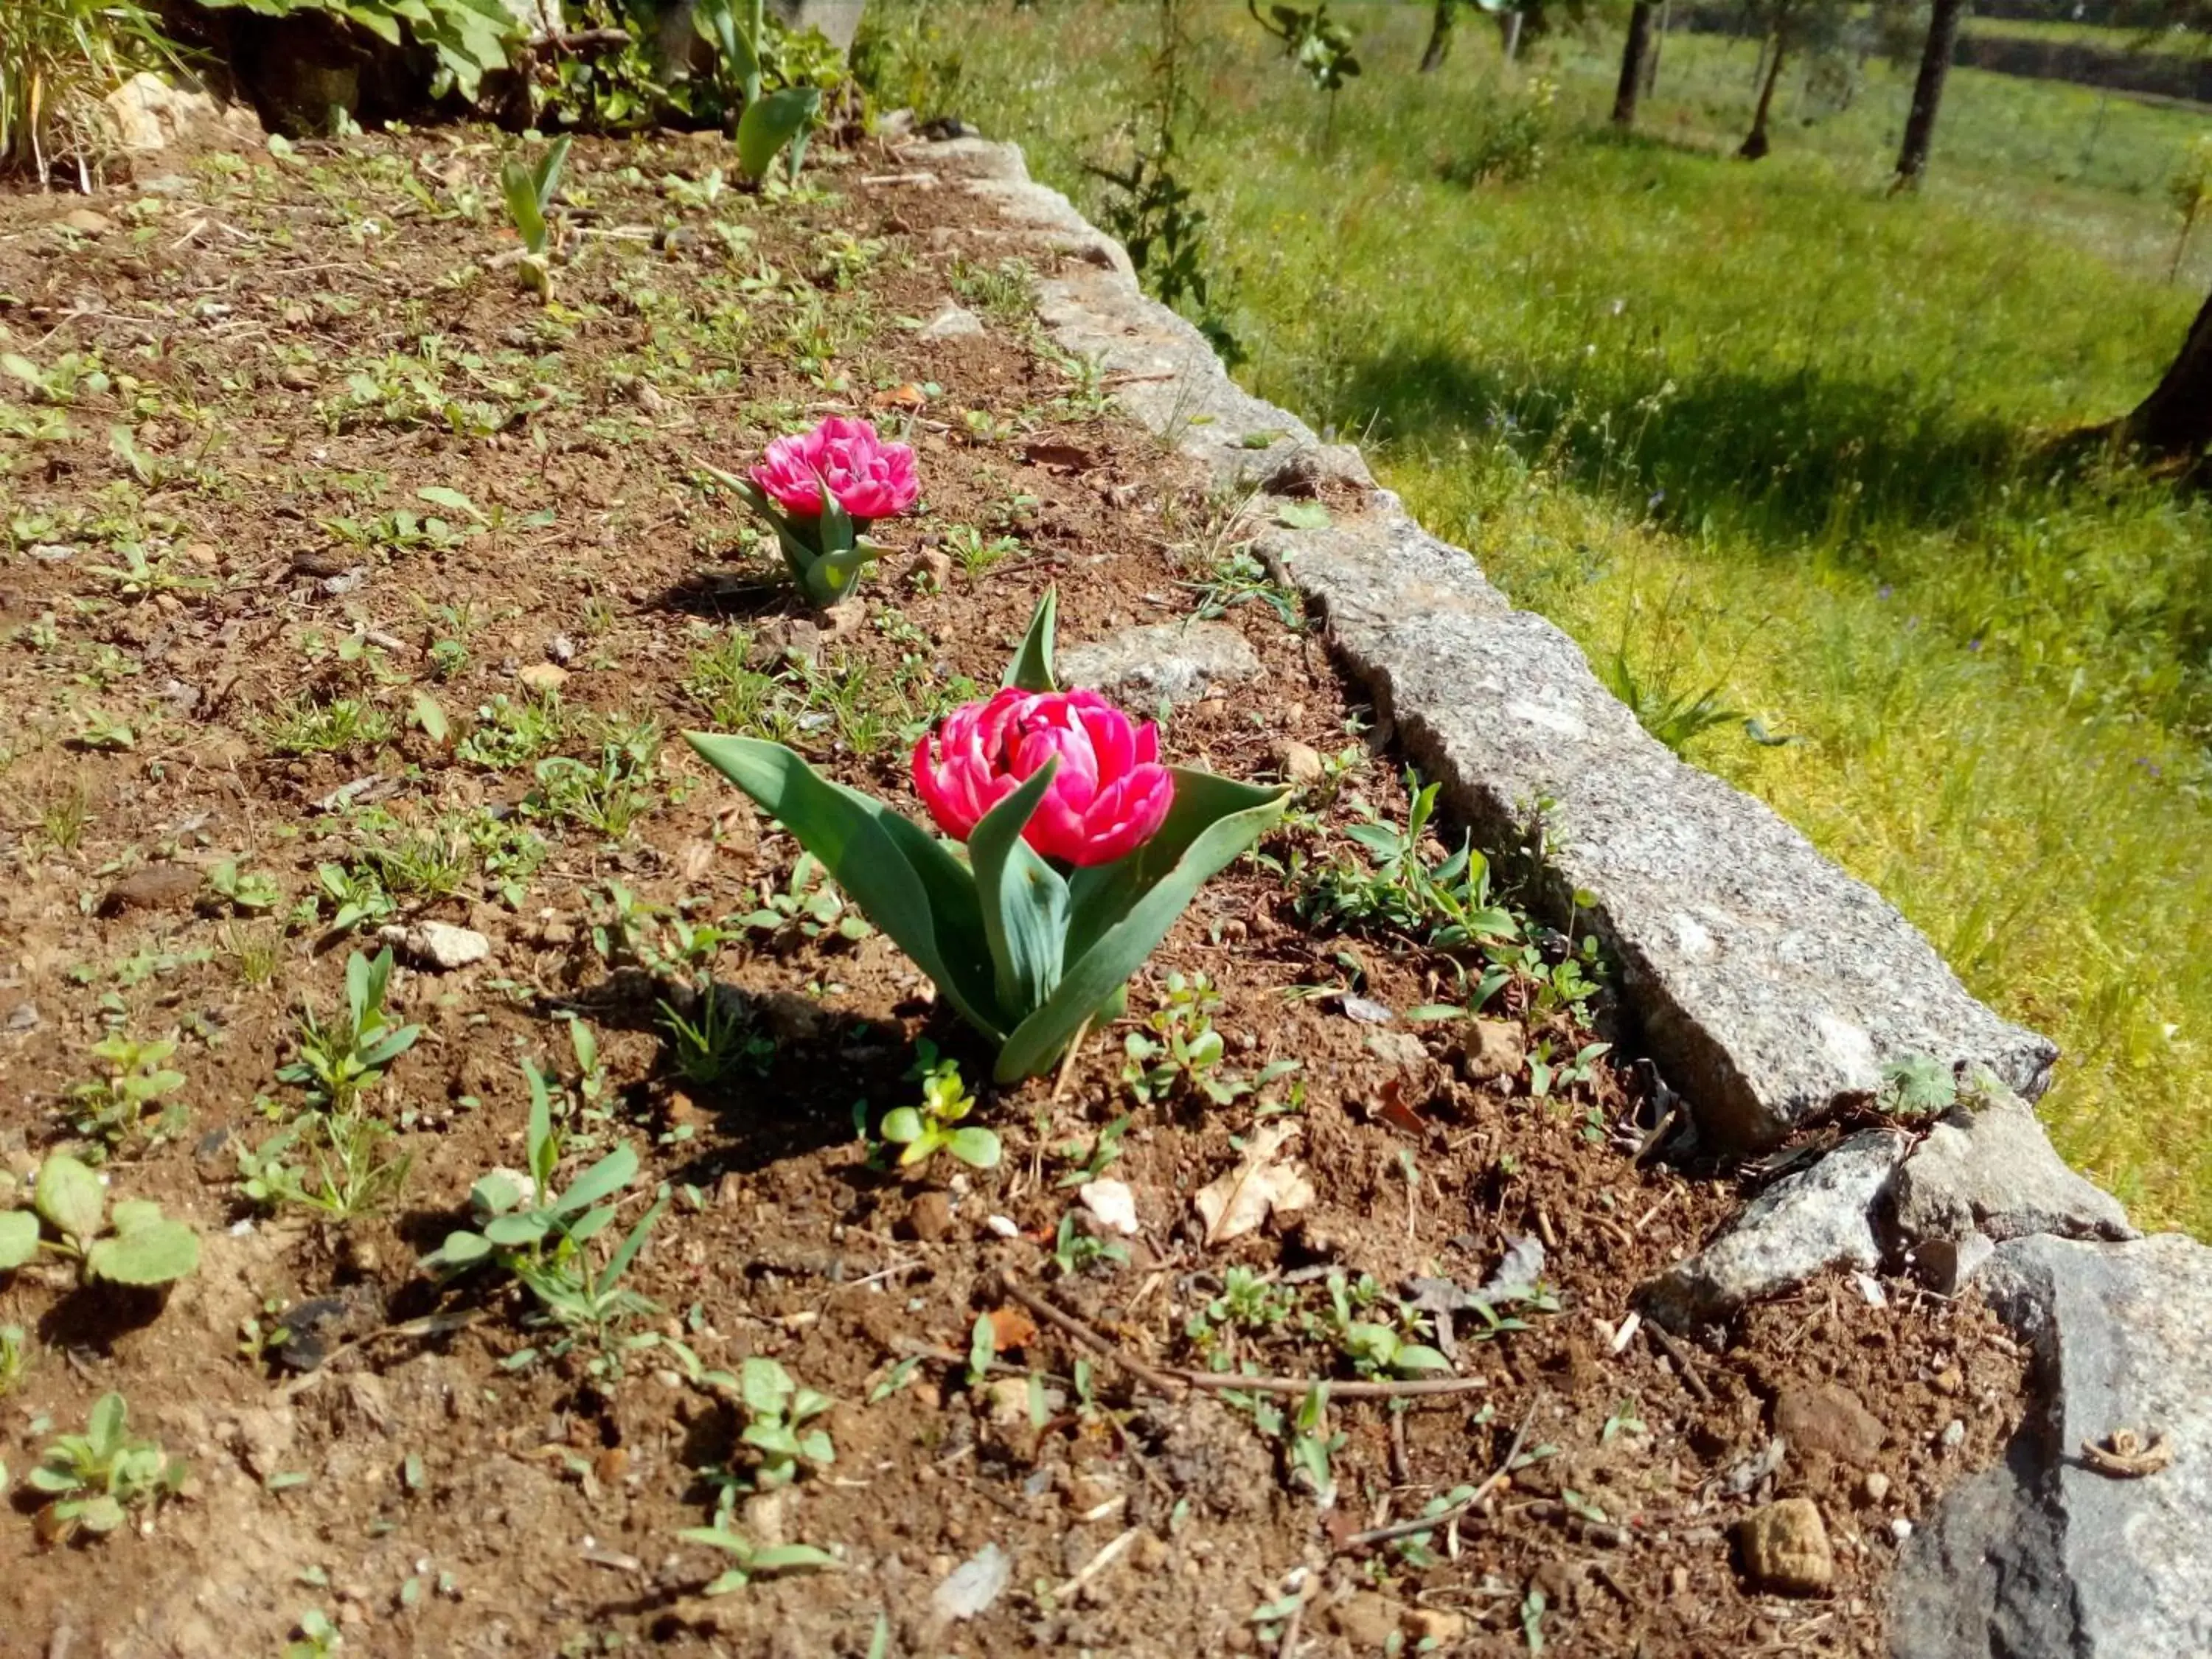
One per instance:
(270,331)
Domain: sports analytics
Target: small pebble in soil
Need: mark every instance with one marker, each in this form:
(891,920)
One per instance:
(1785,1548)
(928,1218)
(1874,1487)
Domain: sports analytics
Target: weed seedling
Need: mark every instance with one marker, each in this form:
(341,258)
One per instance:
(343,724)
(134,1244)
(97,1478)
(338,1060)
(808,905)
(609,797)
(111,1110)
(720,1044)
(925,1130)
(1183,1053)
(749,1560)
(332,1164)
(526,1227)
(1075,1252)
(1375,1349)
(247,892)
(778,1415)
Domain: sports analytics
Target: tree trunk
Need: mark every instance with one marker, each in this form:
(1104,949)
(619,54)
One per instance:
(1510,23)
(1658,47)
(1632,57)
(1755,143)
(1440,28)
(1928,90)
(2176,419)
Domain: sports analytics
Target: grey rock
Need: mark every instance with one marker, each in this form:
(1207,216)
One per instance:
(24,1017)
(1947,1266)
(953,323)
(1802,1225)
(1994,1171)
(438,945)
(1162,662)
(1772,986)
(2042,1555)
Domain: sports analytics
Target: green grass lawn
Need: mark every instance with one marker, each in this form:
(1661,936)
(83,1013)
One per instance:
(1763,428)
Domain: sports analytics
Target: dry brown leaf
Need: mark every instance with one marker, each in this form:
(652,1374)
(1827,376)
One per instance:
(1235,1204)
(1011,1328)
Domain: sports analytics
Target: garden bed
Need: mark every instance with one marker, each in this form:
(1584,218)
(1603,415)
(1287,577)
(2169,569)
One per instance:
(396,521)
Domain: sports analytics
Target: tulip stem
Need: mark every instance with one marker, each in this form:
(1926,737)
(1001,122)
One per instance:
(1068,1061)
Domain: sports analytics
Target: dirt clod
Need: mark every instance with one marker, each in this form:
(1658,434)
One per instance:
(156,887)
(1785,1548)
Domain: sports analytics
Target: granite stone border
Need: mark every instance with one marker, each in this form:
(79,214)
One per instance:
(1771,988)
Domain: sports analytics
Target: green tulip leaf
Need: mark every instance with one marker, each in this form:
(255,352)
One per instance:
(1122,916)
(770,123)
(1032,668)
(1101,894)
(903,879)
(1025,899)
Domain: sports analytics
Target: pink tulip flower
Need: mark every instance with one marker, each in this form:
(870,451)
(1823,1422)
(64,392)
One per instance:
(1108,798)
(870,478)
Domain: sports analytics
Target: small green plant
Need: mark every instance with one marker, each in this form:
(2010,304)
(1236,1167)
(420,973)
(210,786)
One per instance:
(1179,1052)
(14,1358)
(413,860)
(303,726)
(781,1423)
(318,1639)
(140,576)
(526,1227)
(248,892)
(609,797)
(1076,1251)
(931,1128)
(133,1243)
(1915,1085)
(94,1479)
(1310,1447)
(512,731)
(338,1060)
(332,1164)
(808,905)
(749,1560)
(718,1041)
(1373,1348)
(357,891)
(111,1110)
(972,552)
(529,192)
(1445,905)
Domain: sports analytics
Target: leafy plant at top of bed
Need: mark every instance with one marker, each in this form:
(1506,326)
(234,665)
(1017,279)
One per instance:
(1082,850)
(767,122)
(468,38)
(820,491)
